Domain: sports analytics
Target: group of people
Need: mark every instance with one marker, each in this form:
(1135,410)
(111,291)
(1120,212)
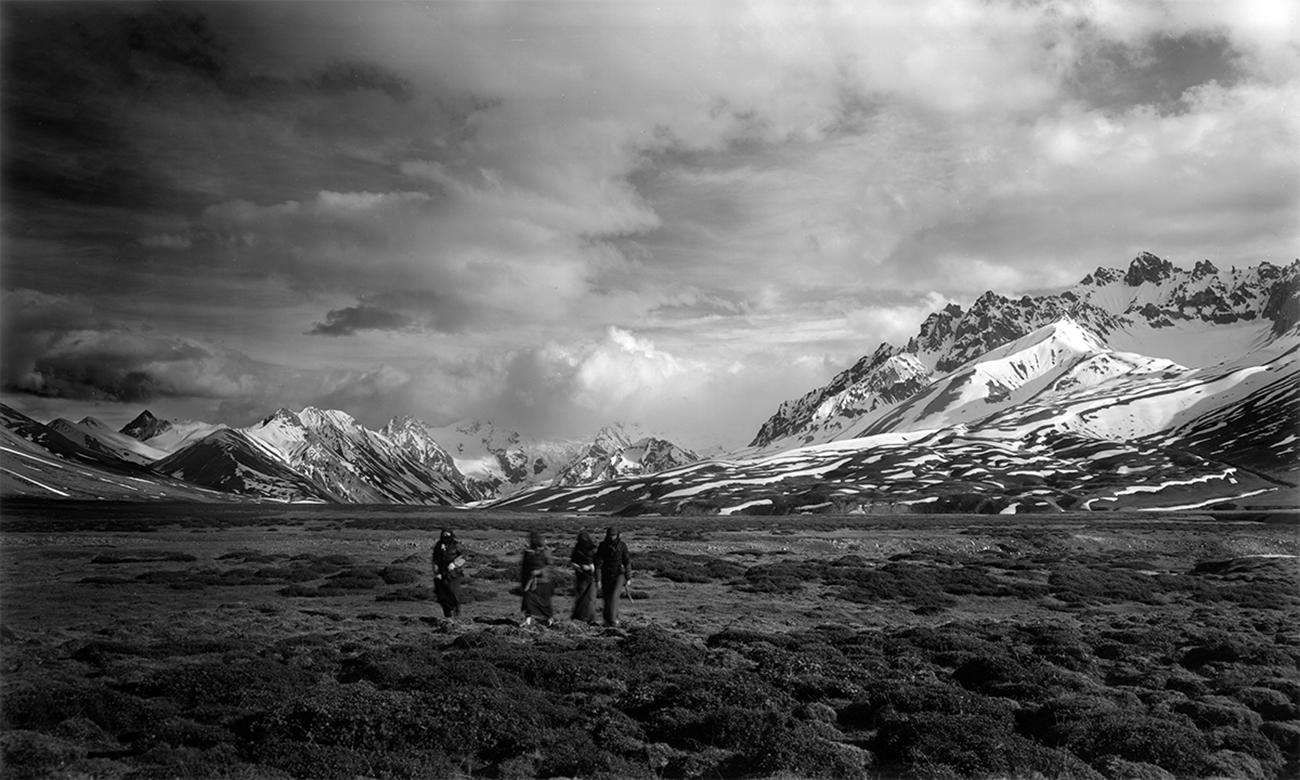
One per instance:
(604,567)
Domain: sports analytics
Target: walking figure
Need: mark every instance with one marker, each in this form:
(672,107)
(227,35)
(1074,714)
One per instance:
(583,560)
(615,573)
(535,581)
(448,567)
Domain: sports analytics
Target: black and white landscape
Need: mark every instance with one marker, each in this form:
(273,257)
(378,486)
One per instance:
(939,361)
(1151,387)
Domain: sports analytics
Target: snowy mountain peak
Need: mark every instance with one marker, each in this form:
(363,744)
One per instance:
(1204,268)
(1147,267)
(145,426)
(317,419)
(404,424)
(283,417)
(1101,277)
(612,438)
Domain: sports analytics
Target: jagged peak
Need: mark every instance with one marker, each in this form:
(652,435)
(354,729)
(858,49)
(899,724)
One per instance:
(611,437)
(1147,267)
(284,415)
(1204,268)
(1102,276)
(145,417)
(315,416)
(405,423)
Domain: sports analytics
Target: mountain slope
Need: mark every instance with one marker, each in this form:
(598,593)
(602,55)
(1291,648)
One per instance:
(949,470)
(231,461)
(95,435)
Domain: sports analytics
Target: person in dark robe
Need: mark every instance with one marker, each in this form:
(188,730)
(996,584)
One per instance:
(583,561)
(448,568)
(535,581)
(614,567)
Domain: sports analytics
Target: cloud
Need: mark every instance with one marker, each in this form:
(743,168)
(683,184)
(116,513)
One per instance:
(346,322)
(560,211)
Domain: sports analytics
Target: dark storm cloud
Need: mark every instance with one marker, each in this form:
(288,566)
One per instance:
(126,121)
(346,322)
(1155,71)
(343,77)
(407,311)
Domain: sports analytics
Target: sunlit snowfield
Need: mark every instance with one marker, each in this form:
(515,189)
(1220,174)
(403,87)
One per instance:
(254,641)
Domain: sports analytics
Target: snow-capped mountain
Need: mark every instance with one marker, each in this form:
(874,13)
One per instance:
(498,462)
(1195,318)
(39,462)
(167,435)
(353,464)
(613,455)
(95,435)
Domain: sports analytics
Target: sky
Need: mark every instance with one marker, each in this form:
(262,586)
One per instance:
(564,213)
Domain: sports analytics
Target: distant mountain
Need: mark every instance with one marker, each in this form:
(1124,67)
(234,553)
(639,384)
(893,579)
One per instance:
(613,455)
(499,462)
(167,435)
(95,435)
(145,426)
(1154,309)
(40,462)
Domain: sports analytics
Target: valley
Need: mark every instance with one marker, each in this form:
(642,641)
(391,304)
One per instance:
(245,641)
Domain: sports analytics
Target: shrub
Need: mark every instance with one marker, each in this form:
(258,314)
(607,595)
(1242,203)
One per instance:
(1170,744)
(356,579)
(417,593)
(28,754)
(399,575)
(887,698)
(1216,711)
(1270,704)
(1055,721)
(681,567)
(969,744)
(143,556)
(41,706)
(1251,742)
(1229,763)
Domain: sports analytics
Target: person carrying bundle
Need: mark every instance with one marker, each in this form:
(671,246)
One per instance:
(448,567)
(614,566)
(535,581)
(583,561)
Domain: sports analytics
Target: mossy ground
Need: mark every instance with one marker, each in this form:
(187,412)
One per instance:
(305,645)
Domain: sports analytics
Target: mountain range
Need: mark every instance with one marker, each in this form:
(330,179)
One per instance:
(310,456)
(1149,387)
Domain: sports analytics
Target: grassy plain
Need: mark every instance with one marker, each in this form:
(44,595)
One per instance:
(201,641)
